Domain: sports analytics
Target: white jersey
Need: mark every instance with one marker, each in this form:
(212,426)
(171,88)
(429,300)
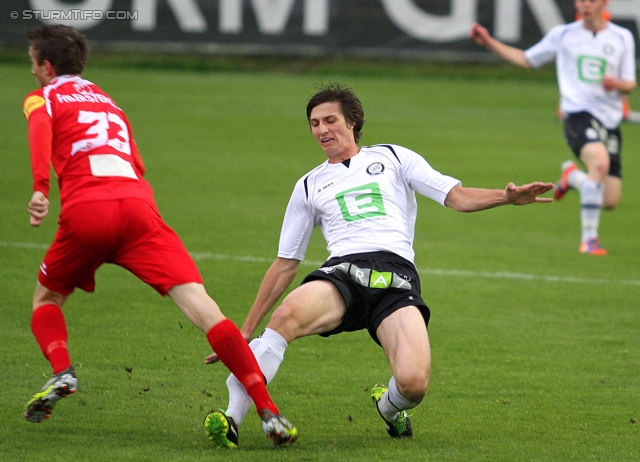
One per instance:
(366,204)
(582,60)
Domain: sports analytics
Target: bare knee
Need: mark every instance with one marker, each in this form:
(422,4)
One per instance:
(601,169)
(413,386)
(285,322)
(596,158)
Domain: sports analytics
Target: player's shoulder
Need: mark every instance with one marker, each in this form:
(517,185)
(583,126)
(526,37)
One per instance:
(620,30)
(389,150)
(560,30)
(37,92)
(33,101)
(383,148)
(617,27)
(313,172)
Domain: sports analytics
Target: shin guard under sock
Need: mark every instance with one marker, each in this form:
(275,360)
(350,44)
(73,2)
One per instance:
(50,330)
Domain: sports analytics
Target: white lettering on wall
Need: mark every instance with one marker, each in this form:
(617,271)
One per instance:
(272,16)
(419,24)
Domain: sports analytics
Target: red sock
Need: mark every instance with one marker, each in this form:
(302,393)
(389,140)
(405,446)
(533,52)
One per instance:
(234,352)
(50,330)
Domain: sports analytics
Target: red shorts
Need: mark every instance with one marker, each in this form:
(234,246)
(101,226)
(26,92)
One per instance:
(127,232)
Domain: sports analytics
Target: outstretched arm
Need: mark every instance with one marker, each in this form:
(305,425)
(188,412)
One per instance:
(276,280)
(508,53)
(476,199)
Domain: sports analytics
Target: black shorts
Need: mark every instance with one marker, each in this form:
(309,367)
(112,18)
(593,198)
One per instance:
(367,304)
(581,128)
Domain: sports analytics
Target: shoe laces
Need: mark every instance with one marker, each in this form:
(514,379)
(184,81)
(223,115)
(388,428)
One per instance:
(400,423)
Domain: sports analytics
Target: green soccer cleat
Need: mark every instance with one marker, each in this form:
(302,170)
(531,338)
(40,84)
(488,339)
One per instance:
(401,427)
(278,428)
(221,429)
(59,386)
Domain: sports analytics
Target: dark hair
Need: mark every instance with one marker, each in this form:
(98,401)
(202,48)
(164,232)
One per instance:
(349,104)
(63,46)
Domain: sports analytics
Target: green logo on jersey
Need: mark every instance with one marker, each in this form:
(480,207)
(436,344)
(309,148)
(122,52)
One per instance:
(591,68)
(362,202)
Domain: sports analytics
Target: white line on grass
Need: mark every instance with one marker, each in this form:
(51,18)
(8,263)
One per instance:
(444,272)
(24,245)
(430,271)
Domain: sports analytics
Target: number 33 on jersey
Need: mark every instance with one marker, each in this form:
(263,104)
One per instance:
(93,142)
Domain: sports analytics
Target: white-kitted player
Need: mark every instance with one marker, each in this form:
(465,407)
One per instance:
(596,65)
(363,200)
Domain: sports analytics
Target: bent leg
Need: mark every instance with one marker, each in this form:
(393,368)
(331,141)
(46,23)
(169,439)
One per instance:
(404,338)
(612,192)
(313,308)
(595,157)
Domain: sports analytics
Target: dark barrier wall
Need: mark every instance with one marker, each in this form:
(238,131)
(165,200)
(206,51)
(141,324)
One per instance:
(376,28)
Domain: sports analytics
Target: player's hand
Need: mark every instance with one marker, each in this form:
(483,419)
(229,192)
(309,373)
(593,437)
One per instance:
(479,34)
(609,83)
(38,208)
(211,359)
(528,193)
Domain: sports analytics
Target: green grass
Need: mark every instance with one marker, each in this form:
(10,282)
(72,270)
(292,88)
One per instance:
(535,347)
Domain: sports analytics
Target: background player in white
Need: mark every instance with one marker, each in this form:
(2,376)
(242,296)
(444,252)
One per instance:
(595,62)
(363,201)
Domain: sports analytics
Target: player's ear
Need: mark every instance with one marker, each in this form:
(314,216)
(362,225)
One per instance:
(51,71)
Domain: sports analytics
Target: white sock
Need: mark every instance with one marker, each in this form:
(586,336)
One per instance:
(392,402)
(591,199)
(269,351)
(576,178)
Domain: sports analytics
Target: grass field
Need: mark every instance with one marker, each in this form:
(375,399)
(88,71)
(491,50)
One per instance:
(536,348)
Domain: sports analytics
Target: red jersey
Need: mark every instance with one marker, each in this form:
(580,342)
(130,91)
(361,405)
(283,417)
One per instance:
(78,128)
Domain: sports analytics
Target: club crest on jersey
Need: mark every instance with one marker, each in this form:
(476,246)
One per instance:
(608,49)
(375,169)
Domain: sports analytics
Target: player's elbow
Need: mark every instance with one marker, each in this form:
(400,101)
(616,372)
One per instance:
(459,200)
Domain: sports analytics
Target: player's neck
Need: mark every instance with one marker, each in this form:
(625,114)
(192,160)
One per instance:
(336,158)
(596,25)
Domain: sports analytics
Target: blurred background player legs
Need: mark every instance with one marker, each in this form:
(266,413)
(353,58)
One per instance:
(591,108)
